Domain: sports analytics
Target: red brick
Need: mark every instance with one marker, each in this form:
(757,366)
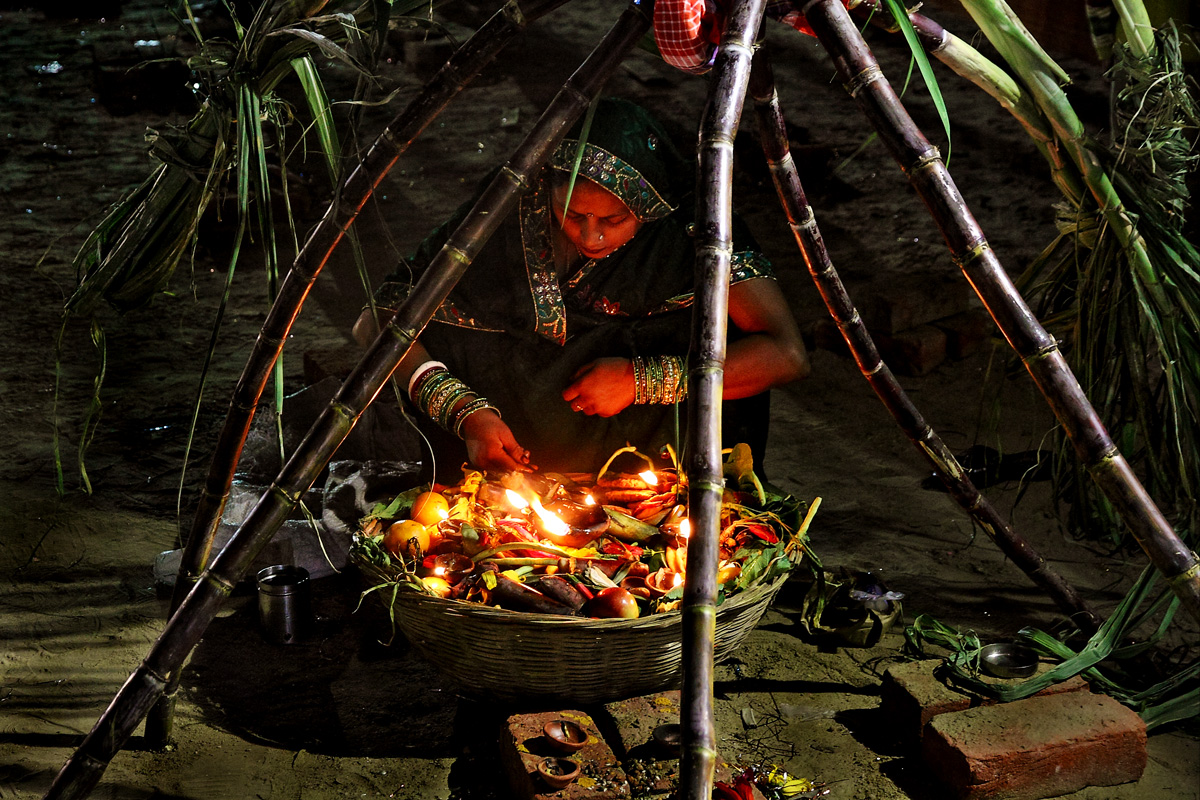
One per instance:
(915,351)
(652,772)
(966,332)
(911,695)
(1036,748)
(522,744)
(898,304)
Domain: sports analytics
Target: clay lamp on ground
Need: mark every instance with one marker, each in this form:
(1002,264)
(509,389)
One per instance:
(558,772)
(564,735)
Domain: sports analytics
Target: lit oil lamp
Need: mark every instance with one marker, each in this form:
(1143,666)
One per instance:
(452,567)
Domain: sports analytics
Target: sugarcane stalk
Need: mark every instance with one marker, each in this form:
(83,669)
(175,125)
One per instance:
(714,248)
(1038,350)
(1135,21)
(146,684)
(1045,80)
(773,135)
(459,70)
(969,63)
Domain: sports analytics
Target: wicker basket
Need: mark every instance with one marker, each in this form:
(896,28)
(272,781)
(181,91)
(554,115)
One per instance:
(506,655)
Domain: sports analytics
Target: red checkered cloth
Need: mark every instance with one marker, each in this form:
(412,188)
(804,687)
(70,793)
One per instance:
(687,31)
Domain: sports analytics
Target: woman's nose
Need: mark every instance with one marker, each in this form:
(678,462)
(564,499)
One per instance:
(589,232)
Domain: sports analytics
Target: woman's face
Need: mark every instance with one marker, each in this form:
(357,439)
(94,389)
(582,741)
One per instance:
(597,223)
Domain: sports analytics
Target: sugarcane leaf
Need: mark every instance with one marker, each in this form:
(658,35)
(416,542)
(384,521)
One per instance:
(583,134)
(628,528)
(900,14)
(318,105)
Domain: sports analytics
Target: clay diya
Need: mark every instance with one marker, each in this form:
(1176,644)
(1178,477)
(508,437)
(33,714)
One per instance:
(452,566)
(564,735)
(557,772)
(669,738)
(573,524)
(662,581)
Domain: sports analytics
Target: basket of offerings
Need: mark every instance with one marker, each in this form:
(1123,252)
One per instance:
(568,587)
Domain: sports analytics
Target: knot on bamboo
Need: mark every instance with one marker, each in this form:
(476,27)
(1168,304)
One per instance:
(863,79)
(963,258)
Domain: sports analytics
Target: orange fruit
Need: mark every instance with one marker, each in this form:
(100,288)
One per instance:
(400,535)
(437,586)
(430,508)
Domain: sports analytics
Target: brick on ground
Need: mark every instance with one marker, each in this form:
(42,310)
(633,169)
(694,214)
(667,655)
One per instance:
(652,772)
(914,351)
(900,303)
(1036,748)
(911,695)
(523,744)
(965,332)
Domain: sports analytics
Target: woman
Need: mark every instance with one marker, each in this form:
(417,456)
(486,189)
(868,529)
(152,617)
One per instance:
(567,337)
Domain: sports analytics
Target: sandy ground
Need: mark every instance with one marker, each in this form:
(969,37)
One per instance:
(342,716)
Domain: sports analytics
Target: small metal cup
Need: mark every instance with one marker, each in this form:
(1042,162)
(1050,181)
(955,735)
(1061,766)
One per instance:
(284,603)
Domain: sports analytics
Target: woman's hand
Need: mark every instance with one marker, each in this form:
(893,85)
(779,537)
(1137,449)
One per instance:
(603,387)
(491,445)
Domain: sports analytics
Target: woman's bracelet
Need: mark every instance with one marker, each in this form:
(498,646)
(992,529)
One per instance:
(659,380)
(469,408)
(444,398)
(420,372)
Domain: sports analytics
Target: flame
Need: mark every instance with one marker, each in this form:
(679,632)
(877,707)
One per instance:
(588,500)
(515,500)
(550,522)
(649,477)
(685,528)
(677,580)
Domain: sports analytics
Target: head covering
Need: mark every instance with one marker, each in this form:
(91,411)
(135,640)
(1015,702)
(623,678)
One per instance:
(628,153)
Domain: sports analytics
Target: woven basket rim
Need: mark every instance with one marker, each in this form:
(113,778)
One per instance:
(428,604)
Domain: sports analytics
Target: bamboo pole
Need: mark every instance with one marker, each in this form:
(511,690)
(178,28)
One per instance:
(1038,350)
(773,134)
(86,766)
(459,70)
(714,248)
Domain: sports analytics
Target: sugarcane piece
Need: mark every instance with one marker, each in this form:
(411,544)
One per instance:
(516,596)
(459,70)
(969,63)
(87,764)
(1038,350)
(714,248)
(773,135)
(560,589)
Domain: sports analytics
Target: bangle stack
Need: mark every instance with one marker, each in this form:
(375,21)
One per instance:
(659,380)
(444,398)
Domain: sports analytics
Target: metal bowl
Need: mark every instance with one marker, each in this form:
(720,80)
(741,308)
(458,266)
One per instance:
(1008,660)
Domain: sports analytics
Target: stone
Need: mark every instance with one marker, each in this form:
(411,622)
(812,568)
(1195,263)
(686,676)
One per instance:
(523,744)
(911,695)
(1036,748)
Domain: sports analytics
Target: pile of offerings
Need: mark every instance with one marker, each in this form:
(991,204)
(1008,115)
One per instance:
(611,545)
